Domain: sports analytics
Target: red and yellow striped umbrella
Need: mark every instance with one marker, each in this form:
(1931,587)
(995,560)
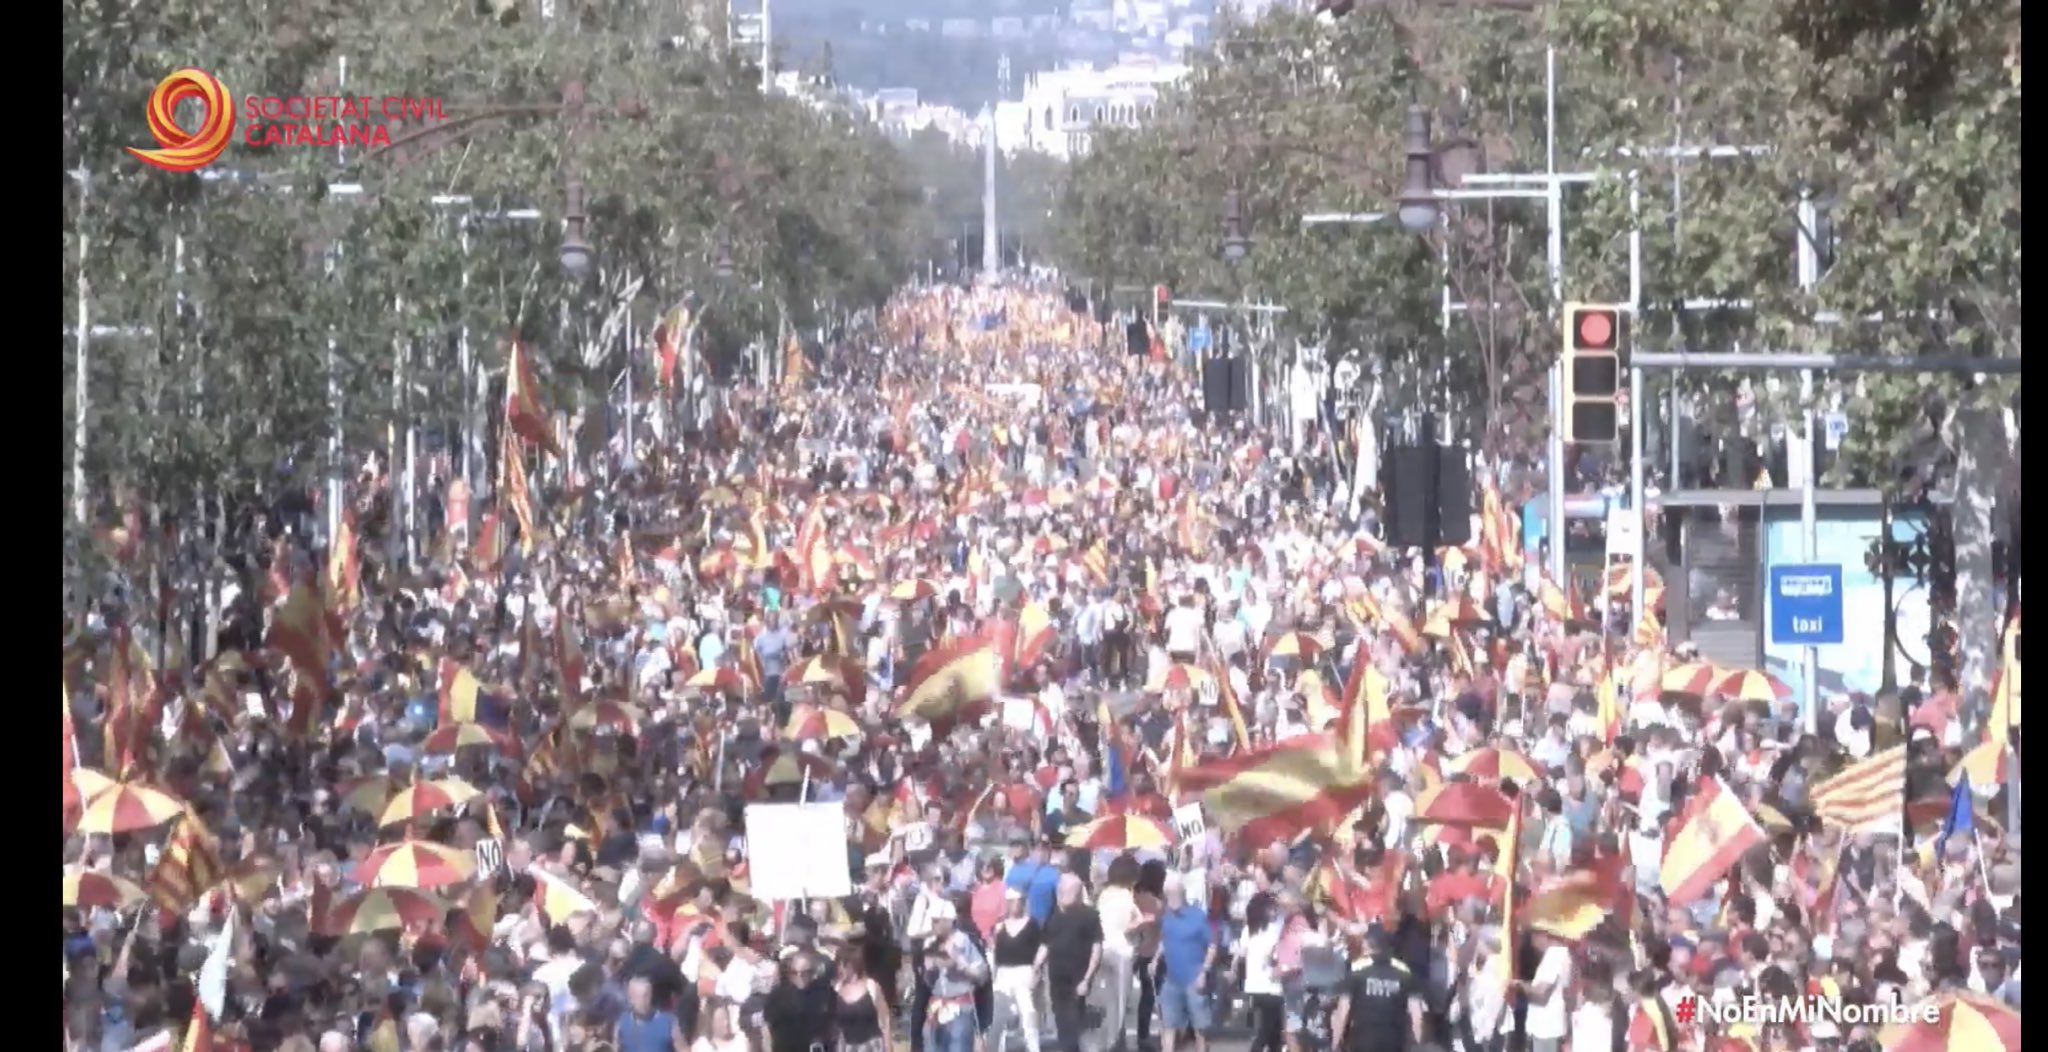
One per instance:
(382,909)
(1491,765)
(418,801)
(415,864)
(832,672)
(1179,677)
(1965,1023)
(914,590)
(1465,804)
(1121,832)
(1748,684)
(1696,678)
(608,715)
(453,736)
(368,794)
(1298,645)
(84,888)
(819,722)
(721,678)
(124,807)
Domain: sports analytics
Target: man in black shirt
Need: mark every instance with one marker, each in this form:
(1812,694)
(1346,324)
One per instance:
(1380,1008)
(1073,950)
(798,1012)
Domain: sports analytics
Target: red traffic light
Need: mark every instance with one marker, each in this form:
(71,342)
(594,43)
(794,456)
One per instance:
(1594,328)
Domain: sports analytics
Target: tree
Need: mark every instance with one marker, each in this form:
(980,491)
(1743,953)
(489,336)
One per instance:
(1897,125)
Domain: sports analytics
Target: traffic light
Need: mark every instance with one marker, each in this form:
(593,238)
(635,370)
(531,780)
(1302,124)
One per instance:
(1592,372)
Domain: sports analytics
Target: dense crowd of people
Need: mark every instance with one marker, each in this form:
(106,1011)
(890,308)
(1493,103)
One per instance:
(1074,659)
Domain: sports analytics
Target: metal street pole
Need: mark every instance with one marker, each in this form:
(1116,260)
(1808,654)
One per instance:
(1809,540)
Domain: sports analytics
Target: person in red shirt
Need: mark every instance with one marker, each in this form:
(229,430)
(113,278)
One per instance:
(1463,880)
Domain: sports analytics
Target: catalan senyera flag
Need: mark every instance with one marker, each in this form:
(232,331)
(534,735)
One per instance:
(796,366)
(525,413)
(1226,699)
(1364,704)
(344,579)
(672,339)
(1274,794)
(189,865)
(1868,796)
(2005,685)
(298,630)
(1096,562)
(952,683)
(1510,860)
(514,492)
(1500,544)
(1715,832)
(460,692)
(489,548)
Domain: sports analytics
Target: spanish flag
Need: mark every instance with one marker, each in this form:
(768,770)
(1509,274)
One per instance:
(951,684)
(1571,906)
(525,413)
(557,898)
(1034,634)
(1714,834)
(1651,1028)
(1611,711)
(1276,793)
(460,693)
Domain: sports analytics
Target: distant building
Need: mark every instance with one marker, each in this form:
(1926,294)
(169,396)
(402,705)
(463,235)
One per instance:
(1061,109)
(960,28)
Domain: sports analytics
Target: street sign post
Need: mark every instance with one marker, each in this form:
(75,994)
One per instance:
(1806,604)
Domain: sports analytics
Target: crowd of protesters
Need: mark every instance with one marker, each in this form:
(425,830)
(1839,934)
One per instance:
(509,813)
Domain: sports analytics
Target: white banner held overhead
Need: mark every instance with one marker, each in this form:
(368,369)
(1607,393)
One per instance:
(797,851)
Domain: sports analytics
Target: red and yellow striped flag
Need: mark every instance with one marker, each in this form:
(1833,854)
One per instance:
(1364,706)
(951,684)
(525,414)
(672,347)
(298,630)
(513,491)
(344,580)
(1510,861)
(1226,698)
(189,866)
(1276,793)
(459,692)
(1868,796)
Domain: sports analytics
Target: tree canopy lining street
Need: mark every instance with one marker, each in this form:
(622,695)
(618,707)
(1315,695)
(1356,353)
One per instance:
(1898,126)
(219,297)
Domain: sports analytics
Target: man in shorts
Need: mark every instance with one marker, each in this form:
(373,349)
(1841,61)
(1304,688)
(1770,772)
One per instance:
(1187,949)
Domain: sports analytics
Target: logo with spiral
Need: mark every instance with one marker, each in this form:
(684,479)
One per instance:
(180,150)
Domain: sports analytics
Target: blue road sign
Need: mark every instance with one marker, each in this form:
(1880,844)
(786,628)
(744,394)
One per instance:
(1806,604)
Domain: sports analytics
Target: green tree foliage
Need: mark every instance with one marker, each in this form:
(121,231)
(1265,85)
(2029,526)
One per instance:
(225,293)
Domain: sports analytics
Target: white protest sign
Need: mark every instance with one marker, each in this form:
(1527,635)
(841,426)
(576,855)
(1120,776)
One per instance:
(797,851)
(1020,715)
(1189,822)
(490,857)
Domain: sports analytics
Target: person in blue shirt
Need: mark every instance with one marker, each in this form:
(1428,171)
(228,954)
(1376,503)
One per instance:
(1033,874)
(1187,949)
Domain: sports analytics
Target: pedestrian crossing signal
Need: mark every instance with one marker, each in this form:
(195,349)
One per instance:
(1593,341)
